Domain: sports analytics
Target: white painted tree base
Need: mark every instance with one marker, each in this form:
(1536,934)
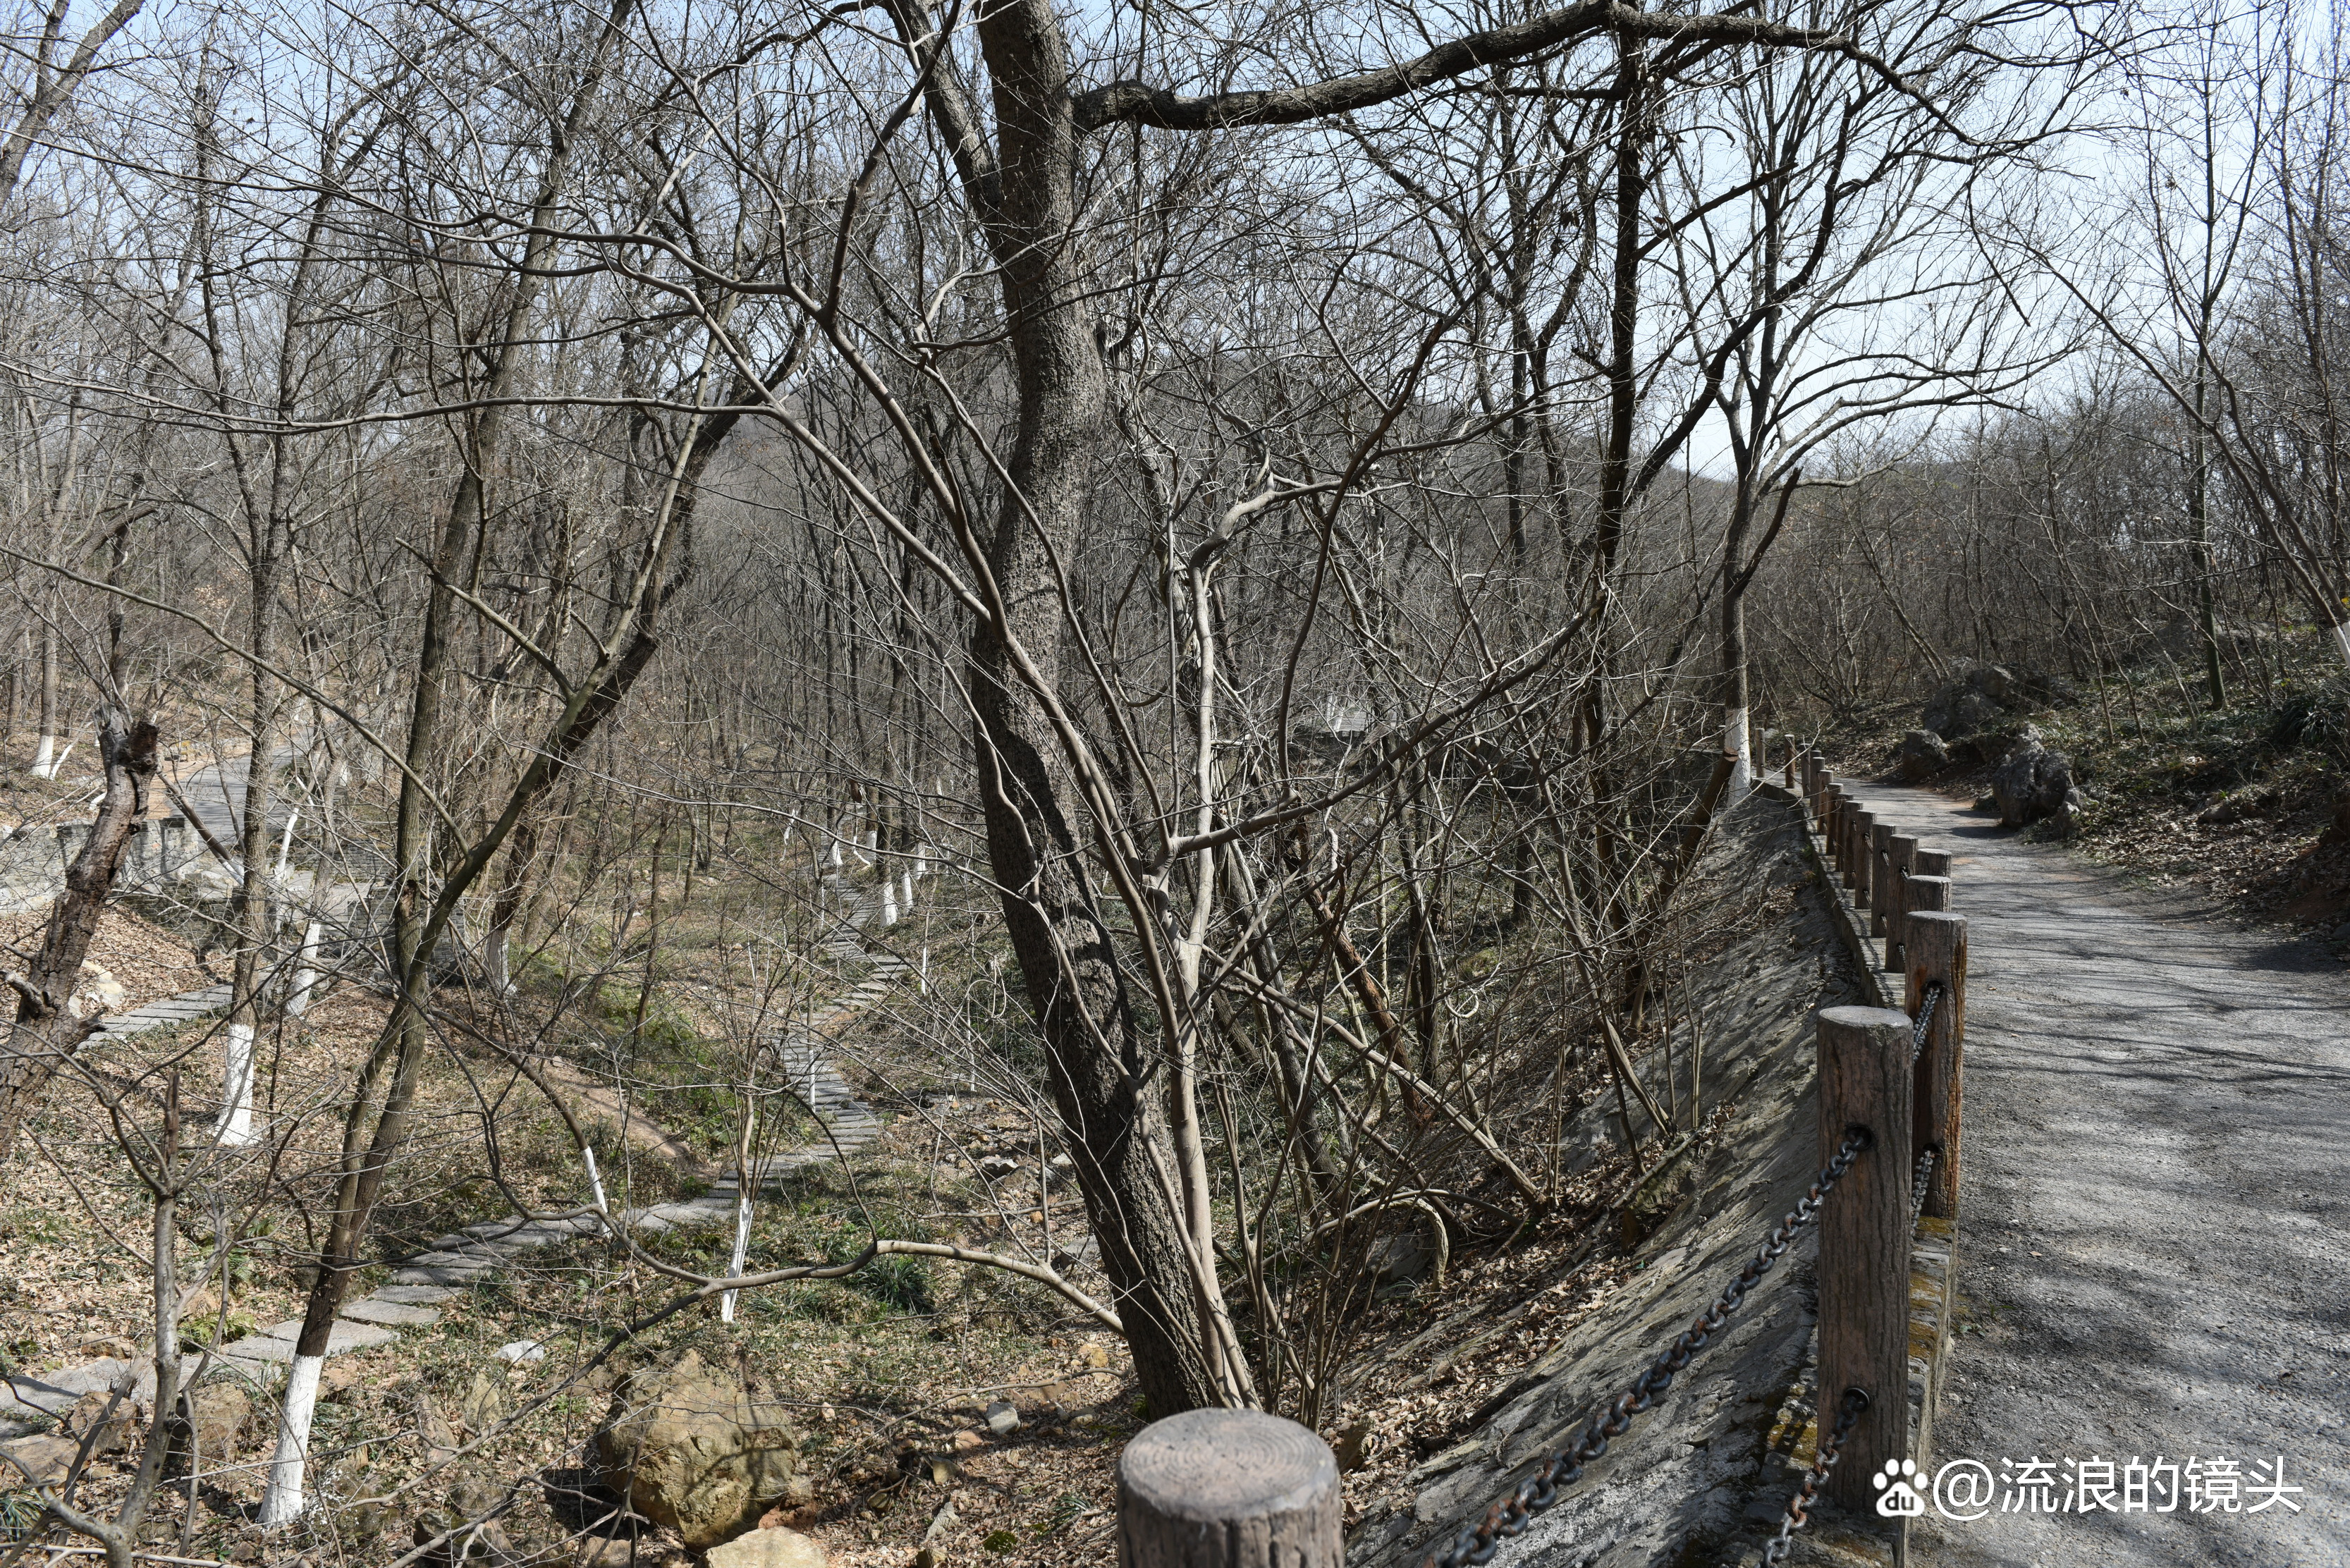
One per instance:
(281,1504)
(1738,740)
(236,1126)
(306,978)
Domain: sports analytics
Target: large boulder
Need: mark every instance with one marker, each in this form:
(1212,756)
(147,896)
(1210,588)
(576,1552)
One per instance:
(2033,785)
(696,1452)
(1956,712)
(767,1549)
(1922,755)
(42,1460)
(112,1421)
(1985,694)
(1994,746)
(220,1412)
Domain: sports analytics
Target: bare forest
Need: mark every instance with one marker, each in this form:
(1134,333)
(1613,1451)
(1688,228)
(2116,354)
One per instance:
(983,721)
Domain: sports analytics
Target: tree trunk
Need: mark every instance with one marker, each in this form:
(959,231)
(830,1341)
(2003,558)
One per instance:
(418,923)
(47,1035)
(45,754)
(251,914)
(1737,734)
(2198,529)
(1100,1060)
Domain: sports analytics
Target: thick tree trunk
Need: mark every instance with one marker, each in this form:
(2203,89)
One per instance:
(47,1035)
(1102,1064)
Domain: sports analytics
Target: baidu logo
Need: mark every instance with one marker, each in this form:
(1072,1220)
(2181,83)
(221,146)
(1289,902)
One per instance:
(1901,1498)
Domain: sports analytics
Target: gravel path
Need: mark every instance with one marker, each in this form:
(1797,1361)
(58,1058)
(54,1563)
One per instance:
(2152,1250)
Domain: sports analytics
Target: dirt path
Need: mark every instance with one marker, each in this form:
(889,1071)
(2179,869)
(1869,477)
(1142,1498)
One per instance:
(2153,1249)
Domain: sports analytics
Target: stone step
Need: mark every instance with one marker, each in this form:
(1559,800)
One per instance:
(412,1295)
(276,1343)
(471,1255)
(390,1314)
(438,1274)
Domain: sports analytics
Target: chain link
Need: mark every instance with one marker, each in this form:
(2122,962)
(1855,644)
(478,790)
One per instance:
(1510,1515)
(1799,1506)
(1924,1174)
(1925,1023)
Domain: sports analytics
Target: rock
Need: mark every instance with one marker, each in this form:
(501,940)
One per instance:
(1959,712)
(1352,1447)
(1995,746)
(88,1414)
(1003,1417)
(1986,693)
(967,1441)
(1922,755)
(522,1351)
(767,1549)
(221,1414)
(95,992)
(44,1460)
(2239,805)
(475,1536)
(2034,784)
(483,1404)
(1094,1355)
(699,1454)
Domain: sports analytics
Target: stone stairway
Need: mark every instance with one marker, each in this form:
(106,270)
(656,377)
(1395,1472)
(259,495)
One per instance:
(796,1056)
(184,1008)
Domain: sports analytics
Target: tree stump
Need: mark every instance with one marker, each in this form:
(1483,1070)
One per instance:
(1229,1489)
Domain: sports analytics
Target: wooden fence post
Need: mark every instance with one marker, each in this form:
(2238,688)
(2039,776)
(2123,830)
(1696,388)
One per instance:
(1855,856)
(1936,954)
(1229,1489)
(1927,895)
(1880,875)
(1903,849)
(1865,1231)
(1831,819)
(1925,862)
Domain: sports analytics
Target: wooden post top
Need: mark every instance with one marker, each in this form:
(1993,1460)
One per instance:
(1229,1489)
(1925,894)
(1858,1019)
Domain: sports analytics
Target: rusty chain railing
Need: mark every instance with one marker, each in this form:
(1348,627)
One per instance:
(1824,1459)
(1511,1514)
